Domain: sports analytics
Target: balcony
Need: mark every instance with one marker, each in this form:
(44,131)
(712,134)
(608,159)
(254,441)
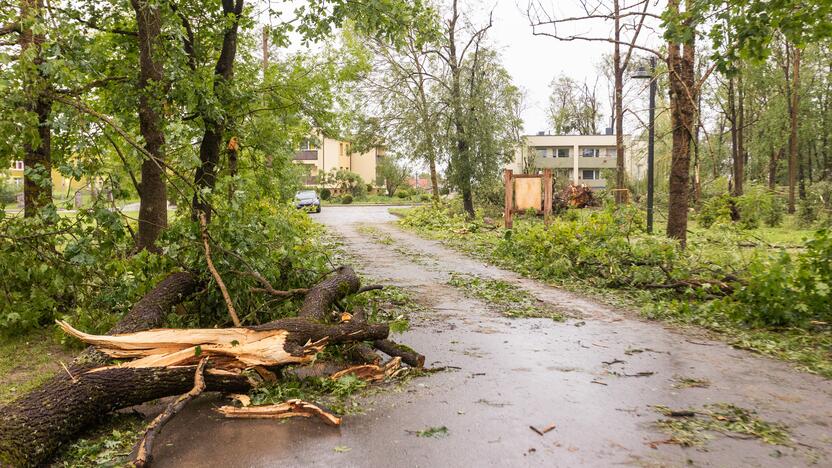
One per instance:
(306,155)
(559,163)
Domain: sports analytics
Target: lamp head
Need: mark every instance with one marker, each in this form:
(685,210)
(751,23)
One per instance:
(642,74)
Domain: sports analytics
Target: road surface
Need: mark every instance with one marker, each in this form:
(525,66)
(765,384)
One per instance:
(579,375)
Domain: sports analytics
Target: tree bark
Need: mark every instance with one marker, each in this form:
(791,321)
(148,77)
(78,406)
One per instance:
(739,170)
(153,211)
(35,424)
(212,138)
(461,163)
(619,108)
(732,112)
(37,158)
(680,61)
(793,108)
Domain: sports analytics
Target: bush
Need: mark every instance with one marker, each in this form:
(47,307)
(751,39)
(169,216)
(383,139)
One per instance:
(370,188)
(346,199)
(326,194)
(424,197)
(787,290)
(402,193)
(755,205)
(715,210)
(7,195)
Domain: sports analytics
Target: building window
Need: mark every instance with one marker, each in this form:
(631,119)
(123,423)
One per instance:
(18,165)
(591,174)
(563,152)
(541,152)
(17,181)
(307,145)
(590,152)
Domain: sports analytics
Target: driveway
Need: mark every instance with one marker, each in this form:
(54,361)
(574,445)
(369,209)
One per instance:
(597,377)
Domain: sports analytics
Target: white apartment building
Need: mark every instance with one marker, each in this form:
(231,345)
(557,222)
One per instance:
(581,158)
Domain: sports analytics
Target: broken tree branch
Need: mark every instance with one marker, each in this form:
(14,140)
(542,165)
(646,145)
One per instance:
(203,224)
(144,448)
(289,409)
(393,349)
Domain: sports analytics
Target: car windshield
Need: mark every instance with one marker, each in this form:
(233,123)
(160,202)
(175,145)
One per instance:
(305,195)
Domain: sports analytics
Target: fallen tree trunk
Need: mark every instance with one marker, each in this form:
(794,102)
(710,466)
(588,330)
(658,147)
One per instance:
(33,426)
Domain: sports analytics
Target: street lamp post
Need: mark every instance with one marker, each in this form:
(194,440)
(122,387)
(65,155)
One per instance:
(641,73)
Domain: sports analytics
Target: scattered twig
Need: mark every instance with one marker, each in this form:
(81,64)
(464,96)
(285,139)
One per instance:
(544,430)
(74,380)
(204,228)
(144,449)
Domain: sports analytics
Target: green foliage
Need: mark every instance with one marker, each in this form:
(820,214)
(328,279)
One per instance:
(400,193)
(326,193)
(346,199)
(606,250)
(722,418)
(788,290)
(435,432)
(424,197)
(7,193)
(107,445)
(511,300)
(756,205)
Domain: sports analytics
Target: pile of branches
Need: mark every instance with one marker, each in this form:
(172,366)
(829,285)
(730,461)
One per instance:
(575,196)
(136,363)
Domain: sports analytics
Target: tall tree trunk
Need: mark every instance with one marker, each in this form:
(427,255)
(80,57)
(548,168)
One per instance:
(434,178)
(793,108)
(462,165)
(37,158)
(680,60)
(739,174)
(735,156)
(153,212)
(772,167)
(619,108)
(212,138)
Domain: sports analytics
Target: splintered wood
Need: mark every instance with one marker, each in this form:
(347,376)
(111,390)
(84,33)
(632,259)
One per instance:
(237,348)
(371,372)
(288,409)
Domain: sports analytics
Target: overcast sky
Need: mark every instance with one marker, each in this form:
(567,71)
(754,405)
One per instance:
(534,61)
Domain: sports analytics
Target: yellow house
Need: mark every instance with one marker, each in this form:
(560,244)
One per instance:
(324,154)
(60,185)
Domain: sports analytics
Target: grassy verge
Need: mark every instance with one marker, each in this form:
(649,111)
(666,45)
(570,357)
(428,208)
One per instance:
(809,345)
(28,360)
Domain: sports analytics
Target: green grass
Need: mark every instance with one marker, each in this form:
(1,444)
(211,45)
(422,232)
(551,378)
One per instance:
(28,360)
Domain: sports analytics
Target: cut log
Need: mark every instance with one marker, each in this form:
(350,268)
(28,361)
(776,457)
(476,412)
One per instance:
(289,409)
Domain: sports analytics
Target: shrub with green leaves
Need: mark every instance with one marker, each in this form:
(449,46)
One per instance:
(346,199)
(788,290)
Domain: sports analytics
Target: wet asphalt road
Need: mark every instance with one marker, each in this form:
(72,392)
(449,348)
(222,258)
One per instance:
(514,373)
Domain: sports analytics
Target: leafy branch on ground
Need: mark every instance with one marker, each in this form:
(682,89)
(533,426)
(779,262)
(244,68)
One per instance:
(773,301)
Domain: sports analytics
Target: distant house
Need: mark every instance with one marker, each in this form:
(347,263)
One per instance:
(61,184)
(579,158)
(323,154)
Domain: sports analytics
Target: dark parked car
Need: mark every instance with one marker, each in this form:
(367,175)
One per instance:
(308,200)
